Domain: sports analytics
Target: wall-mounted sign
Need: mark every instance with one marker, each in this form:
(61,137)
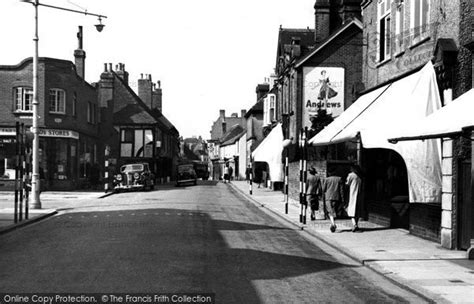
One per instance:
(58,133)
(43,133)
(7,132)
(323,89)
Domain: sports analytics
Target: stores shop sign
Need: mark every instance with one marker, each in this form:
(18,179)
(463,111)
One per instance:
(58,133)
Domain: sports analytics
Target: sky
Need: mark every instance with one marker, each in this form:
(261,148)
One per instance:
(208,54)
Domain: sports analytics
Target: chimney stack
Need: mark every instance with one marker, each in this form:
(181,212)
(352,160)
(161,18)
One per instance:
(261,90)
(145,90)
(350,9)
(120,70)
(244,120)
(80,55)
(222,114)
(322,9)
(157,96)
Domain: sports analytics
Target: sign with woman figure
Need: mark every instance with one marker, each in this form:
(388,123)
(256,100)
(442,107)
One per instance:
(323,89)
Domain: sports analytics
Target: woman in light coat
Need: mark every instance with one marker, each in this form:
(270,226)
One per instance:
(354,182)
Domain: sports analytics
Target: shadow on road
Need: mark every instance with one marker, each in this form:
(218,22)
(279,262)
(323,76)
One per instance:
(153,250)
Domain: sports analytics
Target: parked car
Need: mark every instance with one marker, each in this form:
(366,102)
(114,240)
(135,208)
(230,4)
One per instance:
(186,174)
(134,176)
(202,170)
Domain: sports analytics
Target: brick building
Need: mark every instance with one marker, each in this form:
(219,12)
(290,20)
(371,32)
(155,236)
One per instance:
(69,120)
(312,63)
(405,36)
(82,125)
(221,129)
(136,129)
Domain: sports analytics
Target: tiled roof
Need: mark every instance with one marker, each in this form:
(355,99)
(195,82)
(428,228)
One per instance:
(133,114)
(256,108)
(285,36)
(231,136)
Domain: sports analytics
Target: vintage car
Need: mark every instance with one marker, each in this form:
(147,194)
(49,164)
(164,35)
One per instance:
(134,176)
(186,174)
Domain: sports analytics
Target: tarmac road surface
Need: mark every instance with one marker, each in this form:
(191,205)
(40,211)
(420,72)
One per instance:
(203,238)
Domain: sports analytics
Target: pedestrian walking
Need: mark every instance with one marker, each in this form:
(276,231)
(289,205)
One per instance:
(354,182)
(231,172)
(333,196)
(313,191)
(226,173)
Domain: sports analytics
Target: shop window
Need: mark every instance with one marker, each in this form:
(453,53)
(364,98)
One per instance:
(419,12)
(384,41)
(23,99)
(57,101)
(148,143)
(136,143)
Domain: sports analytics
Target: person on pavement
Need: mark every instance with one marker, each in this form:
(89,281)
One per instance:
(231,172)
(333,196)
(313,191)
(354,182)
(226,173)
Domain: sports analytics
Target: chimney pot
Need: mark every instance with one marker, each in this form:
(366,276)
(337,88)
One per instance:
(110,67)
(141,75)
(105,67)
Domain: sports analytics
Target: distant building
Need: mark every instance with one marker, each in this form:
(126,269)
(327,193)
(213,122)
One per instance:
(221,131)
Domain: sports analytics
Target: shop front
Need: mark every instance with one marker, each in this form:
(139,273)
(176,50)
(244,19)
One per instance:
(402,180)
(65,160)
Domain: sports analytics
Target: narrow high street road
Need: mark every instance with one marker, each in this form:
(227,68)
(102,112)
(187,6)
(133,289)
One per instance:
(204,238)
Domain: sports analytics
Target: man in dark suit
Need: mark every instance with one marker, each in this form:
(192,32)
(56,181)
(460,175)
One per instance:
(313,191)
(333,189)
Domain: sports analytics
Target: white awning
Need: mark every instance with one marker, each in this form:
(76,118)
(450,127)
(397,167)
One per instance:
(270,151)
(447,121)
(379,114)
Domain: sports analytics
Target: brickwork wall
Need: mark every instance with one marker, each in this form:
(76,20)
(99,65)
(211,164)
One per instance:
(345,52)
(294,176)
(424,221)
(444,21)
(52,74)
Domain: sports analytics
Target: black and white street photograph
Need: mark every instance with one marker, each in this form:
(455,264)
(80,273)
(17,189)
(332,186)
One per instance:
(266,151)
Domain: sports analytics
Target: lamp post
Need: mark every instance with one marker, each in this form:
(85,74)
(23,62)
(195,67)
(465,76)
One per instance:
(35,179)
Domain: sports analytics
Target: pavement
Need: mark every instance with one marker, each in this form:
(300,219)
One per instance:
(51,203)
(422,266)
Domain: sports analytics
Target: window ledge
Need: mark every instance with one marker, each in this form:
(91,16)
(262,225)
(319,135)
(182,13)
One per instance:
(17,112)
(58,113)
(415,44)
(381,63)
(399,54)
